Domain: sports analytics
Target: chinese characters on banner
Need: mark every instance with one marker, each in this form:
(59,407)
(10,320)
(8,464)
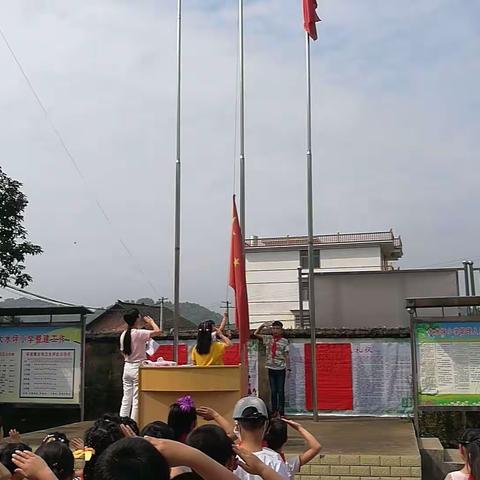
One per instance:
(40,364)
(448,363)
(358,376)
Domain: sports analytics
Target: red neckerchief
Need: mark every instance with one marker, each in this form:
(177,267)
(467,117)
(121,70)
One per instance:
(274,345)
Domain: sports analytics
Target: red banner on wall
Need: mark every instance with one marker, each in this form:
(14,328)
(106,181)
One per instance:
(334,376)
(166,352)
(232,355)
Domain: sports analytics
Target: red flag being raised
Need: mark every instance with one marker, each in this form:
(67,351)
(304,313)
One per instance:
(310,18)
(238,282)
(238,279)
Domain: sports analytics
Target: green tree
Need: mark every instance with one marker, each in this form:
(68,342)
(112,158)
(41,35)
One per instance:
(14,246)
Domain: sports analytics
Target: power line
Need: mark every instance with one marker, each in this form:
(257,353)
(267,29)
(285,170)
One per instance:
(72,159)
(41,297)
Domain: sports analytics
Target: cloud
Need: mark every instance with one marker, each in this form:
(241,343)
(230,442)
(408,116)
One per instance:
(395,133)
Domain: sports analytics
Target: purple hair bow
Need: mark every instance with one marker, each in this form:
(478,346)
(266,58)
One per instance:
(185,403)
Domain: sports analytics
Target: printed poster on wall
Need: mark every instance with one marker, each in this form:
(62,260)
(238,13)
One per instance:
(40,364)
(382,376)
(448,363)
(334,377)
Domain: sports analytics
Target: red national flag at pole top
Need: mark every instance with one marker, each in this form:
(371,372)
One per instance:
(238,279)
(310,18)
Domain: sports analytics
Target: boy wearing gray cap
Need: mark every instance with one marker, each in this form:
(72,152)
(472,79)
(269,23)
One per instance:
(251,422)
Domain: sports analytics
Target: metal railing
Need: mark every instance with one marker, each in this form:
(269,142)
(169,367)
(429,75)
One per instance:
(336,238)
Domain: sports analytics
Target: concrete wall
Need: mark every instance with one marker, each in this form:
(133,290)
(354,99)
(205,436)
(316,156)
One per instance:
(377,299)
(363,467)
(272,278)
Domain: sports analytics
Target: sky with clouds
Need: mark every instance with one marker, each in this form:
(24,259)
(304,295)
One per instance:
(395,133)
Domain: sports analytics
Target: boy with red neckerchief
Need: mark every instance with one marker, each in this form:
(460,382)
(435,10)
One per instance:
(277,363)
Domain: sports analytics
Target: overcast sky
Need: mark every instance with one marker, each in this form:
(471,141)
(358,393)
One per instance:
(395,133)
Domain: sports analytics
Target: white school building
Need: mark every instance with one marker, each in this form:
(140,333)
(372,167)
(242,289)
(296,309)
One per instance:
(275,265)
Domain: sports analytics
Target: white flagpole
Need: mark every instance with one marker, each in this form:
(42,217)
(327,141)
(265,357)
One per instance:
(176,287)
(311,266)
(241,119)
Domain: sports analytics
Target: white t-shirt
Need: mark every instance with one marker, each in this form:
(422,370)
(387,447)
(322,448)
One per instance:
(270,458)
(140,338)
(293,466)
(457,475)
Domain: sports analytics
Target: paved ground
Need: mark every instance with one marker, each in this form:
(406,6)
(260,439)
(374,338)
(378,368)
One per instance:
(338,435)
(361,436)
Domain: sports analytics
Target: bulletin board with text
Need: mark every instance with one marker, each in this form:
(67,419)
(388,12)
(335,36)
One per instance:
(41,364)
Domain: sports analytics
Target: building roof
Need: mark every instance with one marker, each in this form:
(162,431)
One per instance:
(392,245)
(111,319)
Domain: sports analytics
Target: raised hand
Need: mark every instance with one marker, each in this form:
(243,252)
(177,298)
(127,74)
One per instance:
(14,436)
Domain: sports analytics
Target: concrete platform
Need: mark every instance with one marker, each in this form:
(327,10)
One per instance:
(359,436)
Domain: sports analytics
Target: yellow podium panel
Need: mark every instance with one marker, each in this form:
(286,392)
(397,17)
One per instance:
(217,387)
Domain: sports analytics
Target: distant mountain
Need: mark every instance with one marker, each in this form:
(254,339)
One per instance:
(191,311)
(196,313)
(23,302)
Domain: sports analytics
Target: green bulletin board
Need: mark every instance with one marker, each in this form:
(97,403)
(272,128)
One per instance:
(448,357)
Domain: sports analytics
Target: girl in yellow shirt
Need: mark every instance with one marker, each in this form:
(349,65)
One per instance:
(208,352)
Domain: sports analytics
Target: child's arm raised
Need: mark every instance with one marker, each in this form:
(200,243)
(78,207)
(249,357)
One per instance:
(313,446)
(224,321)
(210,414)
(178,454)
(32,466)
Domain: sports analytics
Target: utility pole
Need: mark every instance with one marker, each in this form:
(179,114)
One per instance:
(162,301)
(227,306)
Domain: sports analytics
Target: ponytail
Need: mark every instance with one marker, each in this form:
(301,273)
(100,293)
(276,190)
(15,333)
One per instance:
(130,318)
(204,338)
(471,444)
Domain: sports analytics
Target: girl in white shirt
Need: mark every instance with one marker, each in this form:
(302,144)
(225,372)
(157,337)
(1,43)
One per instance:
(470,451)
(276,438)
(133,345)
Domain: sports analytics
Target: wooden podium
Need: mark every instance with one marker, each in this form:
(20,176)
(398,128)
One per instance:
(217,387)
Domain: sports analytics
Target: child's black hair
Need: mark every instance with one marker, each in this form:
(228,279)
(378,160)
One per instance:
(132,458)
(58,457)
(276,436)
(158,429)
(181,419)
(109,417)
(130,317)
(252,420)
(213,442)
(470,441)
(130,422)
(204,338)
(6,455)
(100,437)
(56,437)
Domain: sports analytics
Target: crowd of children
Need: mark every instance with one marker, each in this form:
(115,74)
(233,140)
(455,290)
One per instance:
(249,446)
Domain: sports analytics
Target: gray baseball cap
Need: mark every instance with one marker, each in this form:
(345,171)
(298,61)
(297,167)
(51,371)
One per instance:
(250,407)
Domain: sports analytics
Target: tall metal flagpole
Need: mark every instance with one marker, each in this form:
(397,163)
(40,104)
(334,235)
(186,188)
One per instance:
(243,345)
(311,289)
(176,288)
(241,119)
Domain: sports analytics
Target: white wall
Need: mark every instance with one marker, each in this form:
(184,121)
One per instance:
(272,286)
(351,259)
(272,278)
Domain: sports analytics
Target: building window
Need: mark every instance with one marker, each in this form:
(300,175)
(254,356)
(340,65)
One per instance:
(304,258)
(305,293)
